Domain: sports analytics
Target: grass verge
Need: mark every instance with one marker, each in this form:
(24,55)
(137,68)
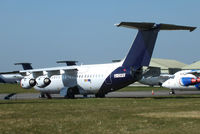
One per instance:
(157,115)
(14,88)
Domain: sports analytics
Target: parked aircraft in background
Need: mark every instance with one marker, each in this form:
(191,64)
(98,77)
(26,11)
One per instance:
(14,77)
(68,62)
(184,80)
(154,77)
(100,79)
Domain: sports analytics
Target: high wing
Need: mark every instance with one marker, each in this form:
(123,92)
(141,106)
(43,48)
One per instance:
(50,71)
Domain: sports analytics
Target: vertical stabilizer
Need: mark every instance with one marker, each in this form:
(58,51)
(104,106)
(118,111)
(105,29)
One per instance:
(142,48)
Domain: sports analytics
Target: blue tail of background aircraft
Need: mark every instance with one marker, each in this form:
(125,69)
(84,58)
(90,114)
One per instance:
(142,48)
(26,66)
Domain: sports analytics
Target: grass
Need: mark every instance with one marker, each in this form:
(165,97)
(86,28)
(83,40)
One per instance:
(14,88)
(159,115)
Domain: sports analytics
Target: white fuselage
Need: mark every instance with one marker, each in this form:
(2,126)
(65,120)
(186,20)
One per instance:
(89,78)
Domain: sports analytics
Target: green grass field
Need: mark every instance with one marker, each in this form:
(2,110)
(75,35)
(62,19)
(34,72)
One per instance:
(160,115)
(14,88)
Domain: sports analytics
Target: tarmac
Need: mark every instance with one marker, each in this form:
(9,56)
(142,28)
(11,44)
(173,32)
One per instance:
(132,94)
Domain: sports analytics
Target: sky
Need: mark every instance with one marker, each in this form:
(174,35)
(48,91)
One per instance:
(45,31)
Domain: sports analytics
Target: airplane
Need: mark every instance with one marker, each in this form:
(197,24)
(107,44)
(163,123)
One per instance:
(14,77)
(154,77)
(100,79)
(185,80)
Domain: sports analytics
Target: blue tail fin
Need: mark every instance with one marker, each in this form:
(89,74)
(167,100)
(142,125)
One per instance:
(142,48)
(141,51)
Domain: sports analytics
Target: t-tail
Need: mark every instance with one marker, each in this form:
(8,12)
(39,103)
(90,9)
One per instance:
(26,66)
(142,48)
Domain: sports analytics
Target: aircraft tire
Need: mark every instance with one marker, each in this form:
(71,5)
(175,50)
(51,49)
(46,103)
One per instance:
(70,94)
(172,92)
(98,95)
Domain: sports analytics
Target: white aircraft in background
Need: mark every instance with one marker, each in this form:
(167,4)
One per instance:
(14,77)
(99,79)
(183,81)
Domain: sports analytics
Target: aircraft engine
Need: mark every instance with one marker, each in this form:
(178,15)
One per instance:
(27,83)
(43,81)
(187,81)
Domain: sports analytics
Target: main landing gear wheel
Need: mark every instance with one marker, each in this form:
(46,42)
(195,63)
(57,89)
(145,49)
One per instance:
(45,95)
(70,94)
(172,92)
(42,95)
(98,95)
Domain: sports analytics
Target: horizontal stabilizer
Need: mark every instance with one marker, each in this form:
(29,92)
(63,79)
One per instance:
(22,63)
(69,63)
(25,65)
(136,25)
(176,27)
(149,26)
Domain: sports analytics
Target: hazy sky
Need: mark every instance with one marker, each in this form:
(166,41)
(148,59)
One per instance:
(44,31)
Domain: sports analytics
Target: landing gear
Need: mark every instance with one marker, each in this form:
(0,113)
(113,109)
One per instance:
(42,95)
(70,94)
(45,95)
(172,92)
(160,84)
(85,95)
(48,96)
(100,95)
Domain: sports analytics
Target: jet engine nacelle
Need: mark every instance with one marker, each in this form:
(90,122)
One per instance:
(43,81)
(187,81)
(27,83)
